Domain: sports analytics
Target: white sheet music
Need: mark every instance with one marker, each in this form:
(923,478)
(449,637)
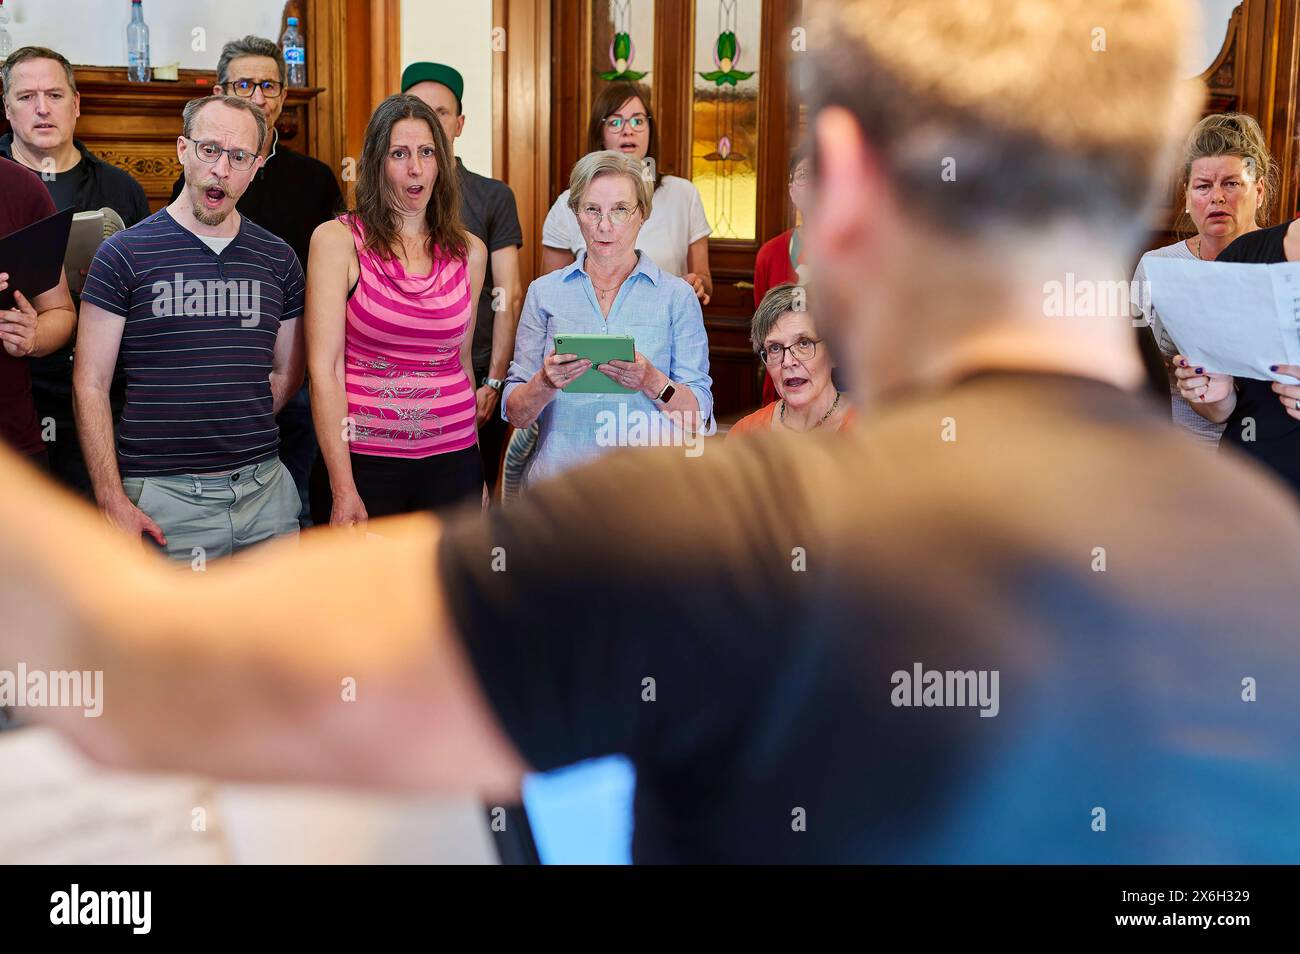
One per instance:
(1230,317)
(56,807)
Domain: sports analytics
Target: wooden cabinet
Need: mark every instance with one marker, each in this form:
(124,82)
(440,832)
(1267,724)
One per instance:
(134,126)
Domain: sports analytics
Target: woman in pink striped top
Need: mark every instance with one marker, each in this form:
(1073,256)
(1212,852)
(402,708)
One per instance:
(390,321)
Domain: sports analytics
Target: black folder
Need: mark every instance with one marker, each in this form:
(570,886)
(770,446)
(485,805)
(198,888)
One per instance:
(33,256)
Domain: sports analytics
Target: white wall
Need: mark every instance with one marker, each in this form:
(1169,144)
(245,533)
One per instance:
(1214,16)
(458,33)
(93,32)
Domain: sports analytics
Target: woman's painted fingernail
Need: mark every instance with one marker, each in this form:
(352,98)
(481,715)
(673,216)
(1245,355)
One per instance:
(1183,362)
(1272,367)
(1200,370)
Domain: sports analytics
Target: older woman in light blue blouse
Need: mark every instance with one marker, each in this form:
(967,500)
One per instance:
(610,289)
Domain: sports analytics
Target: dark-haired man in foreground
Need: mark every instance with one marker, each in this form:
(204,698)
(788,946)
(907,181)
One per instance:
(771,631)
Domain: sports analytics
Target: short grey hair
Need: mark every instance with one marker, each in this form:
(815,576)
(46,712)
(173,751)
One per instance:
(250,46)
(22,54)
(779,301)
(607,162)
(195,106)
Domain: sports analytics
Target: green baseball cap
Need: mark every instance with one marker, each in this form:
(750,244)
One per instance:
(436,73)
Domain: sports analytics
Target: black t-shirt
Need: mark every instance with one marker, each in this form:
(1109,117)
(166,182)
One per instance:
(1276,439)
(487,207)
(66,186)
(290,195)
(780,592)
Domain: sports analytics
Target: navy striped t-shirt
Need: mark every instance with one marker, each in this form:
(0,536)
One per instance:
(198,343)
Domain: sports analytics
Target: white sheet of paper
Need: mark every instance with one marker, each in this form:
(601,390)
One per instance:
(1230,317)
(57,807)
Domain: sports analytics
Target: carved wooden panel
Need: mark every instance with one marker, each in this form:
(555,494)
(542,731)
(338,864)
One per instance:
(152,165)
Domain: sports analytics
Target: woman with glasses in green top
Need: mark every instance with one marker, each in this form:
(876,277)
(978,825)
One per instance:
(676,236)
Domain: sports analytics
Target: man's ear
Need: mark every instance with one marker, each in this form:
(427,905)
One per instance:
(216,90)
(76,105)
(850,193)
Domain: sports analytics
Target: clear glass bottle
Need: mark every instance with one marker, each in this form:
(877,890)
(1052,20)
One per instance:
(6,41)
(137,46)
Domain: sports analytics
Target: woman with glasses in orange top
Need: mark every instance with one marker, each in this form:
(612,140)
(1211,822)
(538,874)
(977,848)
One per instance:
(799,364)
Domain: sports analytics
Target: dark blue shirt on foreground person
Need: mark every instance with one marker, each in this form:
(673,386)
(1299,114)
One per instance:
(954,633)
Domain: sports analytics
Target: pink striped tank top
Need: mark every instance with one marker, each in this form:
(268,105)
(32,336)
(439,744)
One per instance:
(408,393)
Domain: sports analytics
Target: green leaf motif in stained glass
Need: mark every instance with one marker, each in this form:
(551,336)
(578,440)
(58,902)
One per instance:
(621,58)
(728,52)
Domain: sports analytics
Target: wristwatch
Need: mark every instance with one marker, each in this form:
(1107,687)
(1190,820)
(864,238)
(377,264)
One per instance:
(496,384)
(667,393)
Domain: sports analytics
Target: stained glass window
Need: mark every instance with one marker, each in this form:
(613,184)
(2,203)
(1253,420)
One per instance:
(622,42)
(724,114)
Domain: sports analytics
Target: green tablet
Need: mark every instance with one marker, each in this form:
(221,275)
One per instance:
(598,349)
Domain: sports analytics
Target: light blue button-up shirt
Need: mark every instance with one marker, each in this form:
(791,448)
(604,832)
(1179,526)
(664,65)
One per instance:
(660,312)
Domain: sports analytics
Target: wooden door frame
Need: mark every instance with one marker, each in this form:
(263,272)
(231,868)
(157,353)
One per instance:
(522,116)
(1271,73)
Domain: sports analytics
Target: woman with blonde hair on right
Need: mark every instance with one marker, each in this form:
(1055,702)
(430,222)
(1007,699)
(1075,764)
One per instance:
(1226,184)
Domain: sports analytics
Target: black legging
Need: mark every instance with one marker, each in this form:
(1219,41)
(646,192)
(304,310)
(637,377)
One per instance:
(395,485)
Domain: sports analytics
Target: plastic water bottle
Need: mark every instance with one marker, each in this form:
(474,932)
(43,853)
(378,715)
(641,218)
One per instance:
(137,46)
(6,41)
(295,55)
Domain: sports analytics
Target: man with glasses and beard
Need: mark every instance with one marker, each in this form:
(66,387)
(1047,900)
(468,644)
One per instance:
(289,196)
(201,305)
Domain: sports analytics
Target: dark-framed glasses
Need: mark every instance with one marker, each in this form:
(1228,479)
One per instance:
(619,215)
(637,122)
(805,349)
(245,87)
(210,152)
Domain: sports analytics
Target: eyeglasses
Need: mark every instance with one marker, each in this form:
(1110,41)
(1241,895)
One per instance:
(636,122)
(210,152)
(804,349)
(619,215)
(244,87)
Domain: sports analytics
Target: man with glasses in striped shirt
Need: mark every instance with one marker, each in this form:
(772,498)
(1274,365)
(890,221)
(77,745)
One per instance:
(289,195)
(201,307)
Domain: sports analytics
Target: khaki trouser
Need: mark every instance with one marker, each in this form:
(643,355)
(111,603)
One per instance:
(205,517)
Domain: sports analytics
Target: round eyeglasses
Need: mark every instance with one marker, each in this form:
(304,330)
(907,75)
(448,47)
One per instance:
(804,349)
(210,152)
(619,215)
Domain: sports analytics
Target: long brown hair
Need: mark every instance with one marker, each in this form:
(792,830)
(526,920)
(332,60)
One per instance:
(375,210)
(608,100)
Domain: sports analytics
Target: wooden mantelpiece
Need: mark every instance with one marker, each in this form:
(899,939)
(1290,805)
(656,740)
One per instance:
(134,125)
